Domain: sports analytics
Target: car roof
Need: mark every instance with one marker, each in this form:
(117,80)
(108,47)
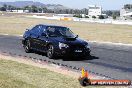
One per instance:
(51,25)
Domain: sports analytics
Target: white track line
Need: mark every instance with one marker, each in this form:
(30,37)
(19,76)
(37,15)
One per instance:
(111,43)
(107,43)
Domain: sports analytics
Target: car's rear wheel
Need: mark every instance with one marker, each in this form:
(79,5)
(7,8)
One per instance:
(27,46)
(50,52)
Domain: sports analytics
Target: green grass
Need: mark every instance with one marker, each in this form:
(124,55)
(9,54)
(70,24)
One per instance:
(90,31)
(17,75)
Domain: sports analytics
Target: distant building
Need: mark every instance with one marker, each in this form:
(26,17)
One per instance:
(126,12)
(94,10)
(18,11)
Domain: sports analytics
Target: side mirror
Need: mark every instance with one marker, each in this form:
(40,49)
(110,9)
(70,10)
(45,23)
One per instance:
(76,36)
(27,29)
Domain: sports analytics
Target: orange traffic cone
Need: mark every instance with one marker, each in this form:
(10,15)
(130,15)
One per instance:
(86,74)
(84,81)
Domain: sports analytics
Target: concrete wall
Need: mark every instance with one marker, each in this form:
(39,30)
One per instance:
(105,21)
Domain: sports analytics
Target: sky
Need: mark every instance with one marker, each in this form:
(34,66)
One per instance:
(79,4)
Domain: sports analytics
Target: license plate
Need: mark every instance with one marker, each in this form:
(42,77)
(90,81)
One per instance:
(78,51)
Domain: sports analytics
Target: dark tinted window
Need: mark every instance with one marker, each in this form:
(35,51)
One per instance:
(42,29)
(59,31)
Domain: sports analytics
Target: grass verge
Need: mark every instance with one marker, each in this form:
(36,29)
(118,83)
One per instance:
(89,31)
(18,75)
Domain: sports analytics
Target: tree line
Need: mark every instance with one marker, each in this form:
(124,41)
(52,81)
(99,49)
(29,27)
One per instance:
(77,12)
(36,9)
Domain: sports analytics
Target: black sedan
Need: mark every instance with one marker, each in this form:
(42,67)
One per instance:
(55,41)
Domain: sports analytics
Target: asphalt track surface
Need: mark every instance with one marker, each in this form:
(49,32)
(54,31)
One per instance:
(111,61)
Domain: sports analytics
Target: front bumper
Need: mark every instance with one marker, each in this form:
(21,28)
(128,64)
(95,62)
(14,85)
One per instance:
(23,41)
(74,52)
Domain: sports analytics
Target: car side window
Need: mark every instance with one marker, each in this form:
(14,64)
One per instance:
(42,29)
(51,31)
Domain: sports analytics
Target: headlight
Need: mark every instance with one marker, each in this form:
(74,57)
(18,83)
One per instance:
(63,45)
(87,46)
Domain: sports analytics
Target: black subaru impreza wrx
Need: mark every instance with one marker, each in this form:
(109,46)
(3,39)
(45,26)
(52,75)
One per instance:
(55,41)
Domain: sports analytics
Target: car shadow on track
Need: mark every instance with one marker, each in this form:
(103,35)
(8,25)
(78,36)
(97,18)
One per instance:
(91,57)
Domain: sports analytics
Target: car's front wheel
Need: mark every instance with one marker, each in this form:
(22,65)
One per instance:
(27,46)
(50,52)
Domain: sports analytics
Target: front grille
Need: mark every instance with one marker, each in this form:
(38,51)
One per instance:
(77,47)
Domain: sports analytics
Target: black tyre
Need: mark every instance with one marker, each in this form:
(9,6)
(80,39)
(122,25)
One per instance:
(27,46)
(50,52)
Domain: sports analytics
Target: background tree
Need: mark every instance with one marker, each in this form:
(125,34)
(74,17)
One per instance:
(108,12)
(27,8)
(101,17)
(10,7)
(94,17)
(2,9)
(114,16)
(34,9)
(84,11)
(45,10)
(40,10)
(78,15)
(86,16)
(5,6)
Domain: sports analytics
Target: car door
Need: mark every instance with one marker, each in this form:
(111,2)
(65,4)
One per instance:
(34,37)
(43,40)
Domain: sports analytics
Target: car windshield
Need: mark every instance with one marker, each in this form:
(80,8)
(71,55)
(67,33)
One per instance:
(60,31)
